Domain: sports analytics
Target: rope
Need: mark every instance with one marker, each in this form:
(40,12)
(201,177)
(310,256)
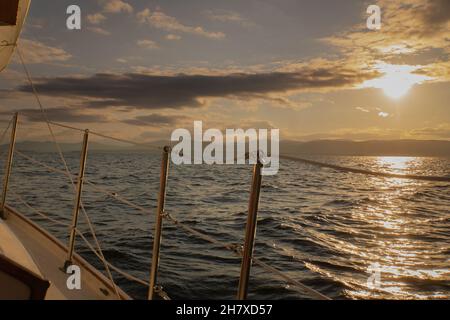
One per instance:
(87,181)
(366,172)
(52,169)
(238,251)
(5,131)
(102,258)
(68,226)
(44,114)
(67,126)
(125,274)
(125,141)
(117,197)
(102,135)
(39,212)
(289,279)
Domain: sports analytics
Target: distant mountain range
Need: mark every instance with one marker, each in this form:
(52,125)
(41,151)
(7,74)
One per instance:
(47,146)
(438,148)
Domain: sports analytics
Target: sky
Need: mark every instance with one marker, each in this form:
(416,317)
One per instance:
(313,69)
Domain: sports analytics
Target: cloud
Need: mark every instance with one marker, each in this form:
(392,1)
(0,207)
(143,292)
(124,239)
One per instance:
(96,18)
(160,20)
(410,28)
(173,37)
(437,12)
(116,6)
(38,52)
(382,114)
(150,91)
(410,23)
(147,44)
(61,114)
(100,31)
(228,16)
(109,7)
(154,120)
(362,109)
(441,131)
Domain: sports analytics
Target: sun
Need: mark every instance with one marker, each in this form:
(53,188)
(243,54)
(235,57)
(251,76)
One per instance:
(396,80)
(395,87)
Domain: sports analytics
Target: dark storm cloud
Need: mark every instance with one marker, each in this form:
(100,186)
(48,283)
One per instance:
(437,12)
(61,115)
(143,91)
(154,119)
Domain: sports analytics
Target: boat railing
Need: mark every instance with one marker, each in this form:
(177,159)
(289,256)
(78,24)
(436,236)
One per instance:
(243,251)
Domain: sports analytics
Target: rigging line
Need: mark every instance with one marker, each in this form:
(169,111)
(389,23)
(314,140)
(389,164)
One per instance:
(39,212)
(44,114)
(367,172)
(289,279)
(123,273)
(6,130)
(116,196)
(93,185)
(66,126)
(100,256)
(102,135)
(126,141)
(126,275)
(52,169)
(238,251)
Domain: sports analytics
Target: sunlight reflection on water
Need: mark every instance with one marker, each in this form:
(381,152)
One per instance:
(320,226)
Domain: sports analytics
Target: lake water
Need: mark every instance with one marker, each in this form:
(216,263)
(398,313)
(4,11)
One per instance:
(322,227)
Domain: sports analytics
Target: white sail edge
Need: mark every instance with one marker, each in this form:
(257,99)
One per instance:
(9,33)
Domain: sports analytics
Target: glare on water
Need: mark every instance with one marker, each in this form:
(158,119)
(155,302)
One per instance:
(345,235)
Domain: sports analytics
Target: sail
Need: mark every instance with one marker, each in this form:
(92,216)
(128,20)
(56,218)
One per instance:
(12,17)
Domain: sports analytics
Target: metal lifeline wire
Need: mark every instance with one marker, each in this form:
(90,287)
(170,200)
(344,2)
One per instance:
(96,252)
(123,273)
(88,182)
(105,136)
(66,225)
(26,204)
(3,137)
(5,131)
(366,172)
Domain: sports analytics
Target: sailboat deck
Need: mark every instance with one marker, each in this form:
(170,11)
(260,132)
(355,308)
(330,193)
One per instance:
(27,244)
